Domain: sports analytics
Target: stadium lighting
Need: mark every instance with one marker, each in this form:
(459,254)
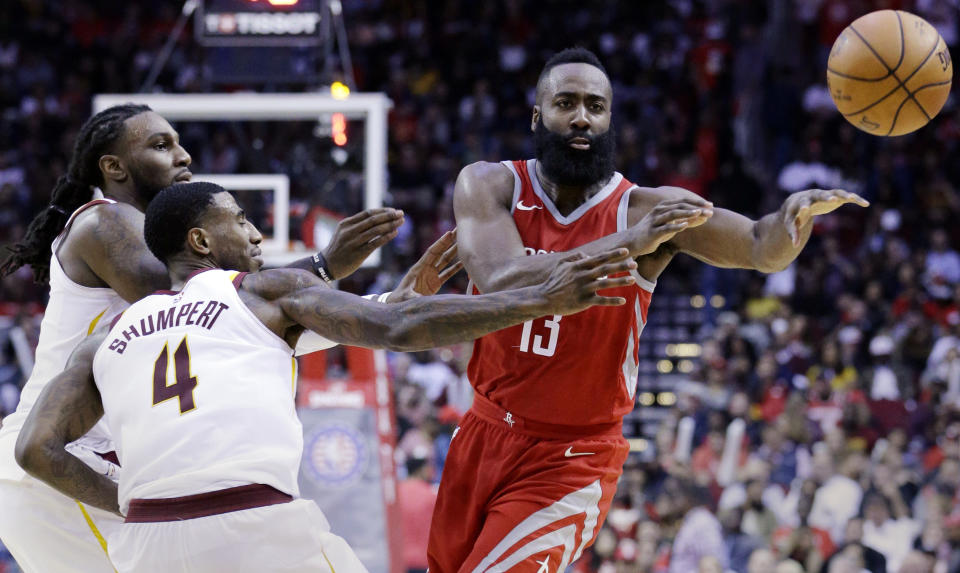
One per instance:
(339,90)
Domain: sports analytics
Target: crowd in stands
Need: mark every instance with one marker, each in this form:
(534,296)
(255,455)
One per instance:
(823,416)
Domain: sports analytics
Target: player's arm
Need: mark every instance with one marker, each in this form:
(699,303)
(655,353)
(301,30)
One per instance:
(354,239)
(493,252)
(110,242)
(731,240)
(430,321)
(437,265)
(66,410)
(424,278)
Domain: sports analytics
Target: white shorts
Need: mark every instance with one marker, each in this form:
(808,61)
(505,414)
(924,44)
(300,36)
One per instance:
(48,532)
(291,537)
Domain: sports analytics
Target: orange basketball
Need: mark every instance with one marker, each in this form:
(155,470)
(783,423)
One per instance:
(889,72)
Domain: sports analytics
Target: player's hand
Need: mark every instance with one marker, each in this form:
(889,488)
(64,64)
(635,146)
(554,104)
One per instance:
(573,284)
(359,235)
(434,268)
(668,218)
(801,207)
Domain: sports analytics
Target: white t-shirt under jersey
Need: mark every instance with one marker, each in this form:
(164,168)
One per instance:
(72,312)
(199,394)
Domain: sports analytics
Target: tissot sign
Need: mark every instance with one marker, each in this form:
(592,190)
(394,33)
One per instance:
(259,22)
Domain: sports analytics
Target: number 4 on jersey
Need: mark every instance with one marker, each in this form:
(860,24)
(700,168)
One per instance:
(185,383)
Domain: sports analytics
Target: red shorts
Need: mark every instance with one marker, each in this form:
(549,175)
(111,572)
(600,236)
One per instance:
(522,496)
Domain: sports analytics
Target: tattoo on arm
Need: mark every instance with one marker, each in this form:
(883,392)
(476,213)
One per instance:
(122,258)
(67,408)
(411,325)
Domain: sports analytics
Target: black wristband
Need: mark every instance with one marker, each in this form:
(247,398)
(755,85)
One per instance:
(320,267)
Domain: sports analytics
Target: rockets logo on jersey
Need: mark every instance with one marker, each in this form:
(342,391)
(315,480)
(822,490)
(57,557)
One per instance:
(580,369)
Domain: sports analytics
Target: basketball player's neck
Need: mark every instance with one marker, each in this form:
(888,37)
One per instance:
(124,193)
(183,265)
(567,197)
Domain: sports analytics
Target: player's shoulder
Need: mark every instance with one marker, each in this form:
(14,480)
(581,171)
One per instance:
(272,284)
(487,173)
(103,226)
(482,182)
(106,220)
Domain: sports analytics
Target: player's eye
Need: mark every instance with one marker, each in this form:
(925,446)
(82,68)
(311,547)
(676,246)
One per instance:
(162,146)
(563,104)
(597,107)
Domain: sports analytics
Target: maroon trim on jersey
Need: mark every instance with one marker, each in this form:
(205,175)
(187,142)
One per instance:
(484,408)
(115,319)
(238,280)
(204,504)
(190,276)
(197,272)
(110,457)
(79,210)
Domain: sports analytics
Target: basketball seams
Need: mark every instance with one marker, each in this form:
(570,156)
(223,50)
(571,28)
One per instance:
(879,101)
(902,83)
(932,85)
(872,51)
(933,49)
(857,78)
(896,116)
(847,88)
(903,45)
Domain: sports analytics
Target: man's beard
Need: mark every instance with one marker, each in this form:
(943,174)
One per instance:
(576,167)
(147,188)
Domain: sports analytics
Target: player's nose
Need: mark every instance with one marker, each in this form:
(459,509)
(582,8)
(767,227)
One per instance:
(580,119)
(255,236)
(182,158)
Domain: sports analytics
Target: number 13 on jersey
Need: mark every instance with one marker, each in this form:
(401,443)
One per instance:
(553,325)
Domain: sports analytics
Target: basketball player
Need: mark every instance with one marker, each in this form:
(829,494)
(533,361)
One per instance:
(534,464)
(100,263)
(196,384)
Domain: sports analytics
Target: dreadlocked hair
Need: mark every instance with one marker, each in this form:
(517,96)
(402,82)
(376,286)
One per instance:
(96,138)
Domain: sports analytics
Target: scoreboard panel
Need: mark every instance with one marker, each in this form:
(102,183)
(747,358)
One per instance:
(260,22)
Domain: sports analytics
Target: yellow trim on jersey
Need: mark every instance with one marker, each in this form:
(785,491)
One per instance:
(233,275)
(327,559)
(93,323)
(92,525)
(293,375)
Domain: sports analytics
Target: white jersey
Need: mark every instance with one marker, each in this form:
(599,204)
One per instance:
(199,394)
(72,312)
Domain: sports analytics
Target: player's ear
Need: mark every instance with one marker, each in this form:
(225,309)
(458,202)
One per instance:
(112,168)
(535,118)
(198,241)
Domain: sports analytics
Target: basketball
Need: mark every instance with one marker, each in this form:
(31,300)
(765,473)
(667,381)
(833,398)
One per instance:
(889,72)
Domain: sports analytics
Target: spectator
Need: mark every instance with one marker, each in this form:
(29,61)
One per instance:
(838,500)
(416,496)
(699,535)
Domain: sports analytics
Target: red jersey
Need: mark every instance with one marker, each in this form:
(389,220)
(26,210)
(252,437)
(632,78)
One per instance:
(574,370)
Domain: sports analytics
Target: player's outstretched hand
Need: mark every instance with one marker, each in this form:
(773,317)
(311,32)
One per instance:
(434,268)
(802,206)
(668,218)
(359,235)
(572,286)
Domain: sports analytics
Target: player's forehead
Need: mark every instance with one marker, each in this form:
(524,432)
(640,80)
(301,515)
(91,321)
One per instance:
(577,78)
(143,126)
(224,204)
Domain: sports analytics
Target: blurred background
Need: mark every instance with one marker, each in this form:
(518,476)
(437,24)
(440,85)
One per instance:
(803,421)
